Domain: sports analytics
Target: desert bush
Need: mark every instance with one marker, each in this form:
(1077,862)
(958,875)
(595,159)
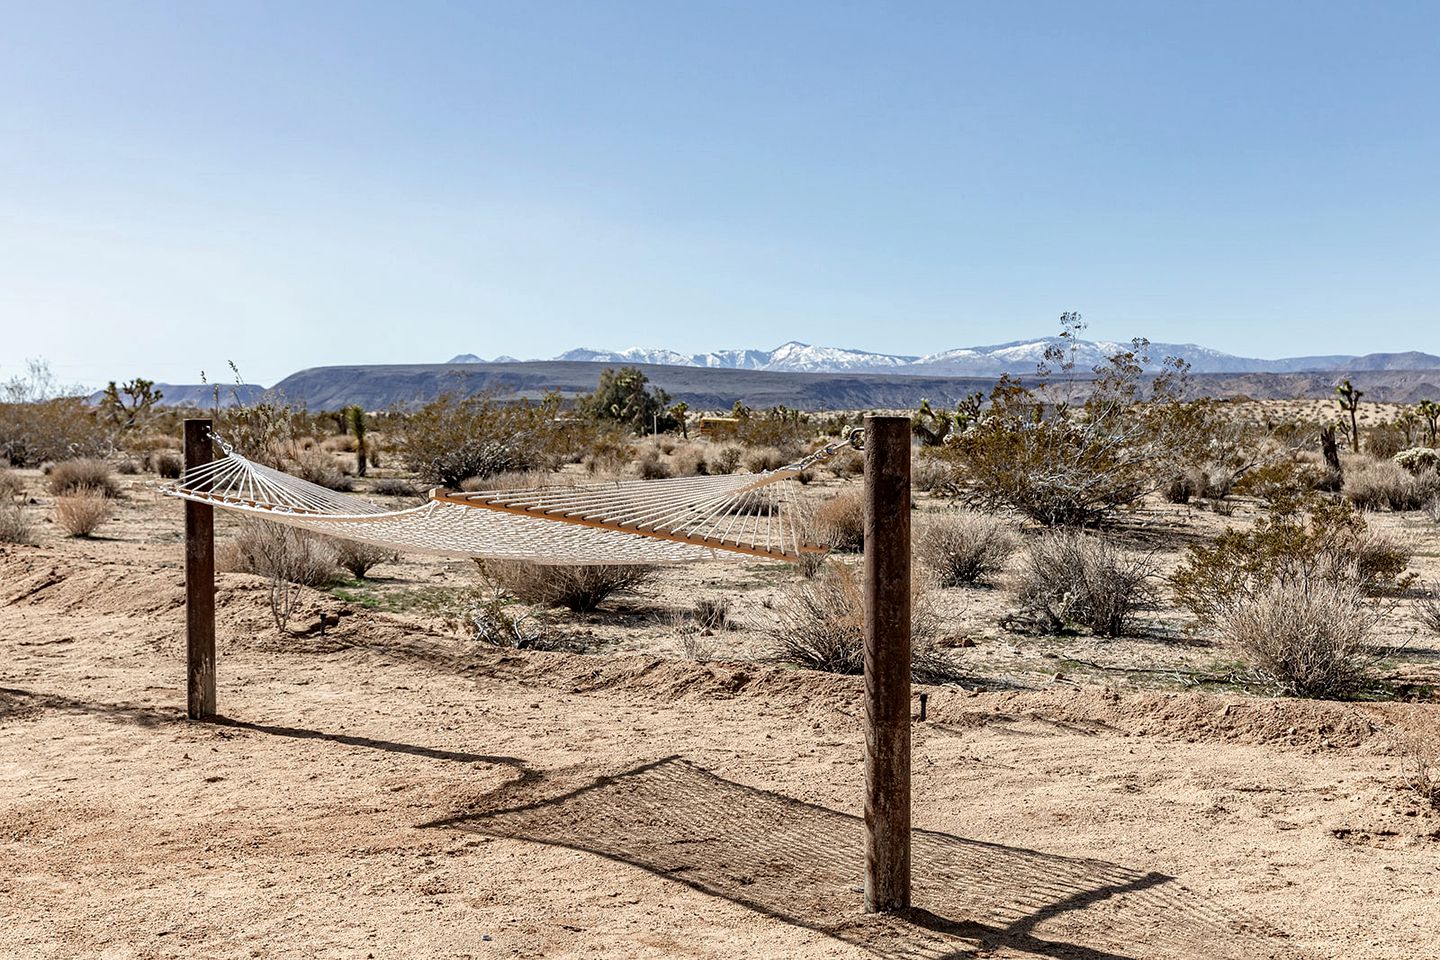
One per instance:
(1385,441)
(727,460)
(580,587)
(761,459)
(15,524)
(495,620)
(358,557)
(70,477)
(1181,488)
(786,430)
(127,468)
(626,397)
(848,463)
(1427,610)
(167,465)
(452,439)
(281,552)
(54,429)
(820,624)
(1418,460)
(10,485)
(927,473)
(1306,635)
(964,548)
(839,523)
(1385,484)
(711,613)
(1299,539)
(1071,580)
(394,487)
(319,467)
(1075,580)
(689,461)
(651,467)
(1420,752)
(1072,465)
(81,513)
(1285,479)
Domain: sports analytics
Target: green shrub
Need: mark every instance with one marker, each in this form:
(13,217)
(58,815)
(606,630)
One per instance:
(452,439)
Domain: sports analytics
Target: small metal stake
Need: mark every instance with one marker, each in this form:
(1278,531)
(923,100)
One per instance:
(924,698)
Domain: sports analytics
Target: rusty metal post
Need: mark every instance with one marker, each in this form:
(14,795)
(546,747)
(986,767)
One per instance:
(199,583)
(887,664)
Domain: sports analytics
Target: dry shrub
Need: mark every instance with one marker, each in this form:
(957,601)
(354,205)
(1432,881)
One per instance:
(760,459)
(10,485)
(344,443)
(1307,539)
(579,587)
(321,468)
(278,551)
(70,477)
(726,460)
(394,487)
(1306,635)
(82,513)
(15,524)
(651,467)
(452,439)
(495,620)
(712,613)
(839,523)
(1073,579)
(518,480)
(32,433)
(127,468)
(358,557)
(820,624)
(689,461)
(1427,610)
(964,548)
(1180,488)
(1385,484)
(167,465)
(1285,480)
(926,473)
(1420,750)
(849,463)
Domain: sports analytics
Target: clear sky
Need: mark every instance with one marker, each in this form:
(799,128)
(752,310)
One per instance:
(300,183)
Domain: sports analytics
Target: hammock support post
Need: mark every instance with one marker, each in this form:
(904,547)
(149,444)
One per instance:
(887,664)
(199,583)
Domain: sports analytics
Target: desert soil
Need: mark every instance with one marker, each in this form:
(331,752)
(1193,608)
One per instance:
(383,789)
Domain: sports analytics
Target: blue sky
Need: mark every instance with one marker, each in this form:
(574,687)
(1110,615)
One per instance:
(294,184)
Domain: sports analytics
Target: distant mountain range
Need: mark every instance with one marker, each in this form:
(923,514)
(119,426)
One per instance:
(1015,357)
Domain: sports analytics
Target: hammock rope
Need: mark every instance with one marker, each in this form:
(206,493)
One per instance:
(680,520)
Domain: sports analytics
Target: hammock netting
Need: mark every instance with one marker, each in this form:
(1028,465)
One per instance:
(679,520)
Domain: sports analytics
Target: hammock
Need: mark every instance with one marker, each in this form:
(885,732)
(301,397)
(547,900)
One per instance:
(679,520)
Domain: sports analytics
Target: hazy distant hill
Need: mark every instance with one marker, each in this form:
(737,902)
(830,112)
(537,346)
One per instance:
(407,385)
(1015,357)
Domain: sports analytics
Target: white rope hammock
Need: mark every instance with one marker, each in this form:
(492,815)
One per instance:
(679,520)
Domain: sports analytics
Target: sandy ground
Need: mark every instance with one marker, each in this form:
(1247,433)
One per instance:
(384,790)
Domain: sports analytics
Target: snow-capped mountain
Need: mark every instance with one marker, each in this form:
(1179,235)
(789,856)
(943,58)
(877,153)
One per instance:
(1015,357)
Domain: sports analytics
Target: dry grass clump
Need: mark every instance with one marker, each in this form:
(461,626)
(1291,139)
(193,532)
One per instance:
(15,524)
(578,587)
(1385,484)
(1306,636)
(927,473)
(711,613)
(839,523)
(651,467)
(690,461)
(964,548)
(70,477)
(820,624)
(849,463)
(358,557)
(82,513)
(1073,579)
(1427,610)
(10,485)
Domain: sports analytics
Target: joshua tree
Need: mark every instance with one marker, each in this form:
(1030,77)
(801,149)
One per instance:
(931,426)
(356,417)
(127,404)
(679,410)
(1328,448)
(1429,410)
(1349,400)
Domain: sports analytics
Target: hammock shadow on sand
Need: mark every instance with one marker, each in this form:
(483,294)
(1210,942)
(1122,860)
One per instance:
(803,864)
